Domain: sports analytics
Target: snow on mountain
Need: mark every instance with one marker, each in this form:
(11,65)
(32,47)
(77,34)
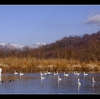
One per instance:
(11,45)
(36,45)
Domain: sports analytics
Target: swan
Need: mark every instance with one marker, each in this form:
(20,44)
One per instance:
(42,77)
(65,74)
(0,74)
(55,73)
(21,73)
(15,72)
(76,73)
(59,78)
(45,73)
(93,80)
(41,73)
(48,72)
(0,71)
(85,73)
(79,82)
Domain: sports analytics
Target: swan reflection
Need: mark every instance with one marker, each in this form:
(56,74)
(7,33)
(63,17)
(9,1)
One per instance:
(93,87)
(78,88)
(0,79)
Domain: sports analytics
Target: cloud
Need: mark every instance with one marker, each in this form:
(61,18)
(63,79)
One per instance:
(94,19)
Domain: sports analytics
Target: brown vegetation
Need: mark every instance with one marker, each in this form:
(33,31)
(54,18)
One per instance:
(73,53)
(36,65)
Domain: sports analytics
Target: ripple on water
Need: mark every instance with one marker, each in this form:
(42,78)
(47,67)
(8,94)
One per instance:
(32,83)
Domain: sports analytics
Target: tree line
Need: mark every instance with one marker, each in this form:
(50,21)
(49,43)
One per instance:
(83,48)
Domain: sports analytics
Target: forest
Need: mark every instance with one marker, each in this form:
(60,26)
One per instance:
(73,53)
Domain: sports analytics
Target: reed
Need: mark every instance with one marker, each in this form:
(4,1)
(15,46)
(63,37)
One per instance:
(31,64)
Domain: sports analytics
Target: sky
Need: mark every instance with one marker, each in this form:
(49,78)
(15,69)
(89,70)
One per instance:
(29,24)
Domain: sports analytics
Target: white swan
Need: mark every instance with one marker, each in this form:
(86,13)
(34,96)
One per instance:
(79,82)
(93,80)
(76,73)
(0,71)
(42,77)
(48,72)
(85,73)
(21,73)
(45,73)
(55,73)
(65,75)
(59,78)
(15,72)
(41,73)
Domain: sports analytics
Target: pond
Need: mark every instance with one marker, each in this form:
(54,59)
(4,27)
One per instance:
(31,83)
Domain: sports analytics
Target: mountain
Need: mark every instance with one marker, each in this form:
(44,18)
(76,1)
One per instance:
(11,46)
(84,48)
(36,45)
(18,46)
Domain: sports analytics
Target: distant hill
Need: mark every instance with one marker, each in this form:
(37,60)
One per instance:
(82,48)
(86,47)
(18,46)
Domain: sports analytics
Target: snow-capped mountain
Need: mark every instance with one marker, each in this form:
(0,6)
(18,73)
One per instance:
(36,45)
(11,45)
(18,46)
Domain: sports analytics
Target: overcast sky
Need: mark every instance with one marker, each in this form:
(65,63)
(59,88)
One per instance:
(28,24)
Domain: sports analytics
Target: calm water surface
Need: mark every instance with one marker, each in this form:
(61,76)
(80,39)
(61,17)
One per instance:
(32,84)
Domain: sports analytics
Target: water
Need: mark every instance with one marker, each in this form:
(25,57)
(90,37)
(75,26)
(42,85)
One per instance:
(32,84)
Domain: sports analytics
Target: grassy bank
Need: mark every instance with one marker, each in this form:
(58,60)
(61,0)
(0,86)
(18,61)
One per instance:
(30,64)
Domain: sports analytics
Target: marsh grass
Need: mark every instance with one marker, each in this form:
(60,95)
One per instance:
(31,64)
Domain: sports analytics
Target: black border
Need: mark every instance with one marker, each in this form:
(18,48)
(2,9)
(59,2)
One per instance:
(48,3)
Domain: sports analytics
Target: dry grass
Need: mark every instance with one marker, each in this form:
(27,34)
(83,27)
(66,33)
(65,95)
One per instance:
(30,64)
